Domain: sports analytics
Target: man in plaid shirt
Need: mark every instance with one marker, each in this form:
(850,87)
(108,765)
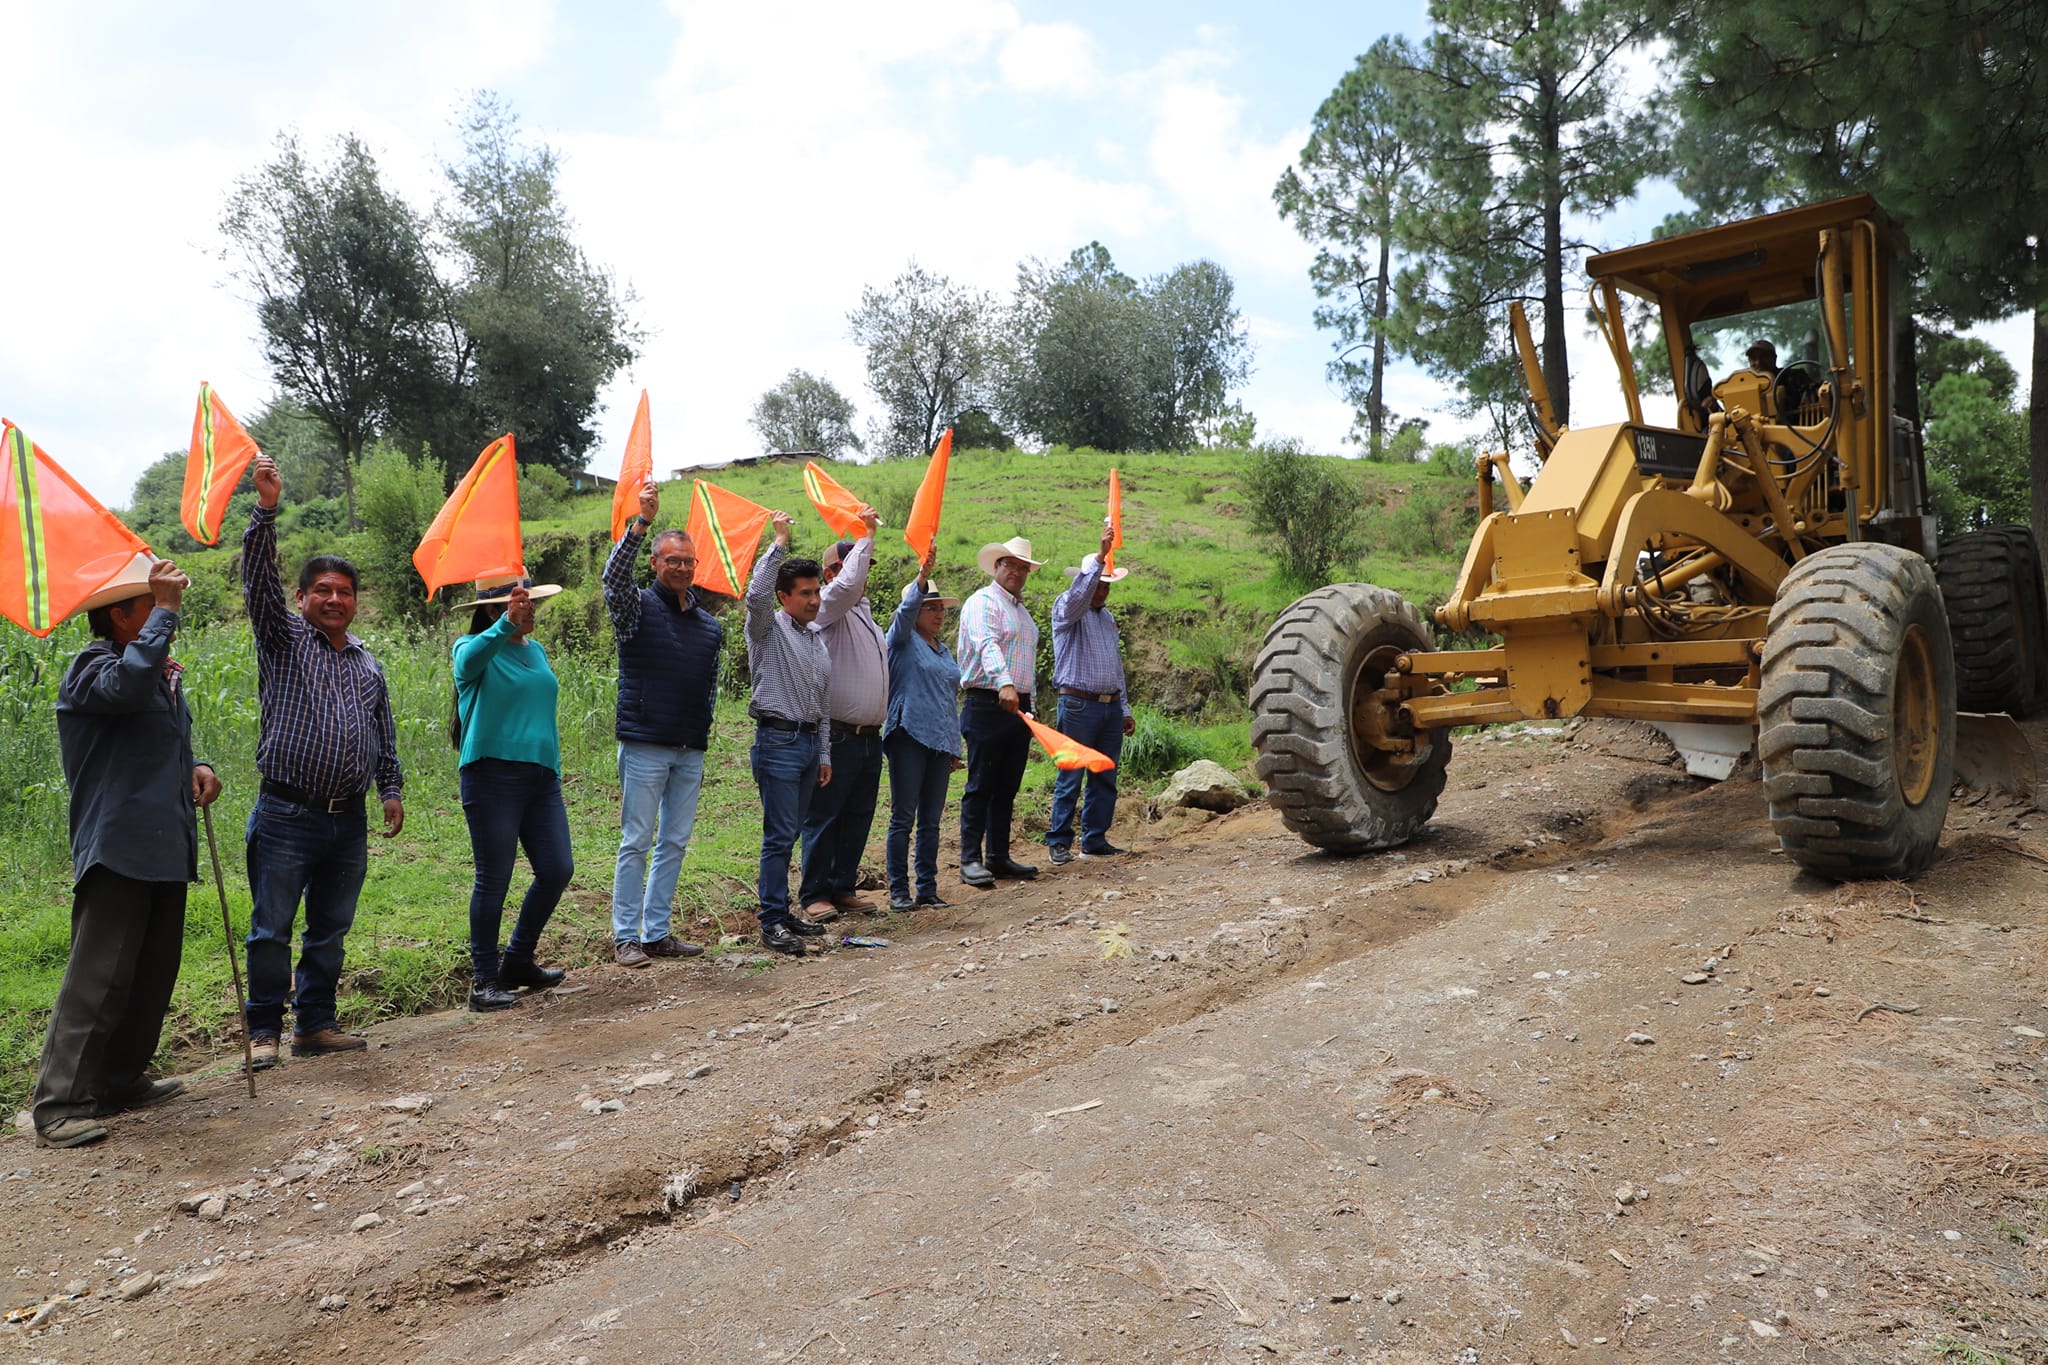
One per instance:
(327,740)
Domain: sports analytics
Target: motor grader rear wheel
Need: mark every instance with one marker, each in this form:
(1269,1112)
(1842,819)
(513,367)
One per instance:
(1857,713)
(1991,582)
(1340,767)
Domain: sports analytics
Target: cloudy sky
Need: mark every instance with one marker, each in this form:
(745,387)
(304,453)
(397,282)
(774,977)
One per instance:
(745,168)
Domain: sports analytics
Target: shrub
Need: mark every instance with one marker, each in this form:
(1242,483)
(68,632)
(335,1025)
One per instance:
(1305,506)
(542,491)
(1161,745)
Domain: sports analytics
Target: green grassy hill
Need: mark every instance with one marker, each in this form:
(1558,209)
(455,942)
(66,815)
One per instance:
(1201,593)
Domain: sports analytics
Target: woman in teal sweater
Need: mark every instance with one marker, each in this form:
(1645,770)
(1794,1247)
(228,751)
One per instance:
(511,785)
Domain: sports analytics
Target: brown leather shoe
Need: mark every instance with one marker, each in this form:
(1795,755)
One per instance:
(630,954)
(321,1042)
(672,946)
(853,901)
(262,1051)
(819,912)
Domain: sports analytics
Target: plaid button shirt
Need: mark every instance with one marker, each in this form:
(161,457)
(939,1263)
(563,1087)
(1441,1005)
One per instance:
(327,726)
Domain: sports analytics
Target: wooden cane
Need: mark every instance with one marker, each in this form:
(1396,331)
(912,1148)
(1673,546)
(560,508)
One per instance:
(227,930)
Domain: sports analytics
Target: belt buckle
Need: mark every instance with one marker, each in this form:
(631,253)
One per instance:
(337,804)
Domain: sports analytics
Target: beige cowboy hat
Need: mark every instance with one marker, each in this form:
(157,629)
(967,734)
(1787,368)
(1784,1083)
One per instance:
(496,590)
(132,581)
(1116,575)
(1017,547)
(932,594)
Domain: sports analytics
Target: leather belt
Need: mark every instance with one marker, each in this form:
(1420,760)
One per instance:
(1103,697)
(800,727)
(298,796)
(993,696)
(840,727)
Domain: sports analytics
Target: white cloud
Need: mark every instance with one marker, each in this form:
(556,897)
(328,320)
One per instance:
(1049,59)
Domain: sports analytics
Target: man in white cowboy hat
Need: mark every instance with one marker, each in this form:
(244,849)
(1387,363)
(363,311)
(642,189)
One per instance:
(327,742)
(126,737)
(998,652)
(1094,709)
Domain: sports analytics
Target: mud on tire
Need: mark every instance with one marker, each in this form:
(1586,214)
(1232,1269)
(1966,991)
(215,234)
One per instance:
(1857,713)
(1991,583)
(1330,787)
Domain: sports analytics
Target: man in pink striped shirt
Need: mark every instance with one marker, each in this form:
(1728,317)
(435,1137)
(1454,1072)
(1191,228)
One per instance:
(998,652)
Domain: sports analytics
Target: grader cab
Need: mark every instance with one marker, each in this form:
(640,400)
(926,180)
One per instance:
(1761,574)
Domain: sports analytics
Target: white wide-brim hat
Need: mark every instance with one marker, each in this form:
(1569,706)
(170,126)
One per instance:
(132,581)
(1015,548)
(932,594)
(1116,575)
(496,590)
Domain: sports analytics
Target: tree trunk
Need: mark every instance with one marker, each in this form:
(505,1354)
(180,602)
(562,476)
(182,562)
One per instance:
(350,451)
(1556,367)
(1377,412)
(2037,422)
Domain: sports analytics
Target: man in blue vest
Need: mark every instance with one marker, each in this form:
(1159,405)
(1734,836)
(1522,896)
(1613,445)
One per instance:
(668,686)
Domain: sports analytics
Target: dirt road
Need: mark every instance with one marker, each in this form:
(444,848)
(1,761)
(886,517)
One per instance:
(1589,1073)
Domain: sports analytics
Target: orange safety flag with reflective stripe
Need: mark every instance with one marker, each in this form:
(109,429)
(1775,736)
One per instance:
(58,546)
(221,450)
(1116,522)
(634,470)
(1067,753)
(476,533)
(725,528)
(922,530)
(839,508)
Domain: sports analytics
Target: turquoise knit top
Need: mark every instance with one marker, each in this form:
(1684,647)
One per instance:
(505,693)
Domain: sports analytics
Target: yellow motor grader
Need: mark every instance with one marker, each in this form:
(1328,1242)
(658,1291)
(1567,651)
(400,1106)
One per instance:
(1764,573)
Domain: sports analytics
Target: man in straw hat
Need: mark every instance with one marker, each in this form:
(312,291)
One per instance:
(327,740)
(998,650)
(668,689)
(126,737)
(1088,671)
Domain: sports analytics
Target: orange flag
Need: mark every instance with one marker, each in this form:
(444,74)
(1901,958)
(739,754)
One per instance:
(1065,752)
(726,529)
(634,470)
(1116,521)
(839,508)
(922,532)
(476,534)
(221,450)
(58,546)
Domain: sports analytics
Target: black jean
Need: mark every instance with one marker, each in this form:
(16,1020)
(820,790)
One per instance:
(998,746)
(509,805)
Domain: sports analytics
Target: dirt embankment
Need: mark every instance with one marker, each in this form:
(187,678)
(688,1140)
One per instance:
(1586,1073)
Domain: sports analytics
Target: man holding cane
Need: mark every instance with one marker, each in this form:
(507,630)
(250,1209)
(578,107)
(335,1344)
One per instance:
(126,737)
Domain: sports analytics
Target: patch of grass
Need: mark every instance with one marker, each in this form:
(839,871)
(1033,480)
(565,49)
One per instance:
(1955,1348)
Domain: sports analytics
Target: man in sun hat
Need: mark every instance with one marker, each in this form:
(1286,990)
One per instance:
(327,741)
(843,812)
(125,733)
(998,652)
(1094,709)
(669,647)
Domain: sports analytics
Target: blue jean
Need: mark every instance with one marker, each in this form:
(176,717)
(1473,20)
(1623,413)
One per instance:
(299,852)
(659,784)
(786,770)
(917,795)
(841,815)
(509,805)
(1099,725)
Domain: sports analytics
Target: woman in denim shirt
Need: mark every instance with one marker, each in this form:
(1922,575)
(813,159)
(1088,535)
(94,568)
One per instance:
(921,739)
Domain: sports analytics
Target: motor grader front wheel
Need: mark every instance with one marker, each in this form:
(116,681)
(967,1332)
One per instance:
(1857,713)
(1338,765)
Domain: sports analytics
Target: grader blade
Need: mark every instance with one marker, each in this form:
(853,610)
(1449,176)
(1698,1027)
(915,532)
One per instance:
(1992,754)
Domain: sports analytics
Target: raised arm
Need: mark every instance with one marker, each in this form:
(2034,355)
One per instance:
(115,683)
(844,592)
(473,653)
(621,593)
(903,625)
(270,616)
(761,587)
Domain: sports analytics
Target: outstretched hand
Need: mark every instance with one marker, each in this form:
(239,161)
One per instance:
(519,610)
(269,483)
(782,522)
(925,562)
(650,501)
(869,518)
(1108,542)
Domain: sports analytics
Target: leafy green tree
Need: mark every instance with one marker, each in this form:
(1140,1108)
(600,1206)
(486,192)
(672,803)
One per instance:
(530,329)
(1937,107)
(1305,507)
(338,269)
(398,497)
(1354,181)
(1094,358)
(1976,454)
(975,429)
(1529,128)
(302,446)
(928,342)
(805,412)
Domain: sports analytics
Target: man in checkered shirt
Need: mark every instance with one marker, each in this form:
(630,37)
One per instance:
(327,741)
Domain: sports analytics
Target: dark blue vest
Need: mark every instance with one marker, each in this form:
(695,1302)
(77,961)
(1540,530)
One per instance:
(668,673)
